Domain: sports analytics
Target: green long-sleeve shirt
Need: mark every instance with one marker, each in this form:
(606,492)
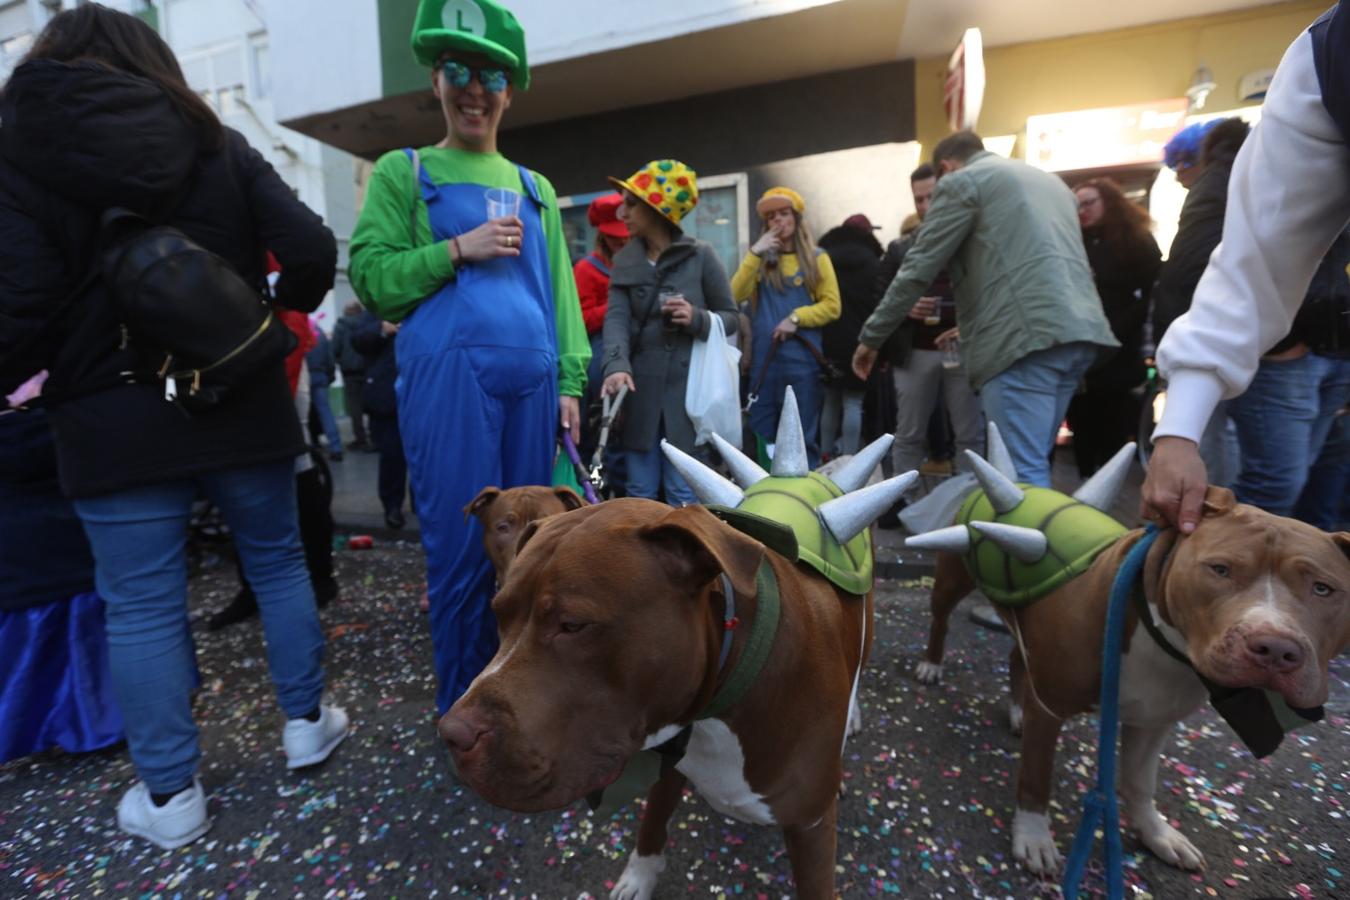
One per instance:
(395,264)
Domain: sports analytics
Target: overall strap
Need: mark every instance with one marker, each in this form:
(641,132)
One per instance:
(531,186)
(597,263)
(425,185)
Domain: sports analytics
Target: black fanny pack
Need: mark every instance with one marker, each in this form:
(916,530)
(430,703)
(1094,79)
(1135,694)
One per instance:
(190,317)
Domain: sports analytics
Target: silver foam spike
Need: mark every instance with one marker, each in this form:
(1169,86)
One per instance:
(789,449)
(1100,490)
(1003,494)
(1025,544)
(744,470)
(710,487)
(856,471)
(848,515)
(953,539)
(998,454)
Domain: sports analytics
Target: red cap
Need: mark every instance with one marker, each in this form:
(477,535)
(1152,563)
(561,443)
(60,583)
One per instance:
(861,222)
(604,215)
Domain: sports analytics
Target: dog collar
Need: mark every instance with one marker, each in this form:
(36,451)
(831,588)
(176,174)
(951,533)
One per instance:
(763,631)
(1259,718)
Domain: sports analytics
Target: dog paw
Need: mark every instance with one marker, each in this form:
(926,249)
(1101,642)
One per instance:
(639,878)
(1015,717)
(928,673)
(1171,846)
(1033,844)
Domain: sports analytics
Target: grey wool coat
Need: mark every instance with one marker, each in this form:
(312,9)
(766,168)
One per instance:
(636,341)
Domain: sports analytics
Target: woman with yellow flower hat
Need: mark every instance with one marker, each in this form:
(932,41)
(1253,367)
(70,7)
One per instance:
(465,249)
(792,290)
(664,289)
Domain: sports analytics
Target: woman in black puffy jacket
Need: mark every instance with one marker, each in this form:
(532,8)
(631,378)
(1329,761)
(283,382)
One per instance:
(98,116)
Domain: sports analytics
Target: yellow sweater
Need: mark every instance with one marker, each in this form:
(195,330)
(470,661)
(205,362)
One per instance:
(823,311)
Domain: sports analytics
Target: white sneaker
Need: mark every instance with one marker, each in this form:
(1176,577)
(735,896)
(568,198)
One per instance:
(180,821)
(310,743)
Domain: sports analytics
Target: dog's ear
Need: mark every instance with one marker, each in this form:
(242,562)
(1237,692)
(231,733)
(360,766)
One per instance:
(570,498)
(526,533)
(1218,501)
(698,546)
(1342,541)
(484,499)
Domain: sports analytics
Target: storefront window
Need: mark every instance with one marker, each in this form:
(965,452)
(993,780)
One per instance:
(719,218)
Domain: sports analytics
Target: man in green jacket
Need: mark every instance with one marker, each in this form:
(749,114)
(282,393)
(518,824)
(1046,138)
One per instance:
(1030,320)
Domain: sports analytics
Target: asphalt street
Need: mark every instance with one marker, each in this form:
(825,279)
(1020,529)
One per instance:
(928,806)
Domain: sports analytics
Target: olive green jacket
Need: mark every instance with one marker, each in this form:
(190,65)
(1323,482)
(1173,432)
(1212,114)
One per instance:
(1009,236)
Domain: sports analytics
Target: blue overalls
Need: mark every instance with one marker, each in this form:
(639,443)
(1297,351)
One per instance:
(478,405)
(792,363)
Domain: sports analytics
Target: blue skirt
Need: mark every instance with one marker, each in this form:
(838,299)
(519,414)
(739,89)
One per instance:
(55,686)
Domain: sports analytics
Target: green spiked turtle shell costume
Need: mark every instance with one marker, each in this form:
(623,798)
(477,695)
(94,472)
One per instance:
(1021,542)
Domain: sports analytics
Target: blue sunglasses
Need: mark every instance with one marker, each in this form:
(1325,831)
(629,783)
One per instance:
(458,75)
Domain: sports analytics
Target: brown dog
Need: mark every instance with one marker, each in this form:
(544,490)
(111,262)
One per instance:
(612,620)
(505,513)
(1254,600)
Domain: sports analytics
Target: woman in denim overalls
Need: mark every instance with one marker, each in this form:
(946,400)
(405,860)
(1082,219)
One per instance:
(792,291)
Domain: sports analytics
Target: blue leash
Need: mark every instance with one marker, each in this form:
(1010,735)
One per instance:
(1099,806)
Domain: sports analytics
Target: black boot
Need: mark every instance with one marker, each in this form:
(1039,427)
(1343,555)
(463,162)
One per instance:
(243,606)
(314,498)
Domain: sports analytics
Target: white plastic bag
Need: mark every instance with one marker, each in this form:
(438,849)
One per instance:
(712,395)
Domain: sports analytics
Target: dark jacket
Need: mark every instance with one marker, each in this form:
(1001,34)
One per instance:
(381,365)
(637,342)
(1124,284)
(856,256)
(74,140)
(912,333)
(1199,230)
(44,555)
(319,359)
(350,360)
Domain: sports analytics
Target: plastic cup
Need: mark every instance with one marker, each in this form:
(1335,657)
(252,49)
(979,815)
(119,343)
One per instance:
(661,299)
(951,355)
(502,202)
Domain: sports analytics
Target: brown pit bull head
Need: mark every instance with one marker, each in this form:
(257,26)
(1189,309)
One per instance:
(505,513)
(610,625)
(1263,601)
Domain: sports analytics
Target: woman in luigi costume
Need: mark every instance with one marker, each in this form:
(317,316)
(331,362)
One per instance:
(664,289)
(492,351)
(792,290)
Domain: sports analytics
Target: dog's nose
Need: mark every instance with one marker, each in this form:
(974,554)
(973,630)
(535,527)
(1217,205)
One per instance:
(1273,652)
(459,733)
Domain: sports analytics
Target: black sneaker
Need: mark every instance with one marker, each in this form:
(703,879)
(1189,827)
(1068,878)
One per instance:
(394,519)
(243,606)
(890,519)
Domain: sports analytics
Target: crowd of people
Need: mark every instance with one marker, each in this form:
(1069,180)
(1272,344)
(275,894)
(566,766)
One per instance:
(1013,298)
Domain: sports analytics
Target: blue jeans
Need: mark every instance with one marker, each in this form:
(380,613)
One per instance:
(649,471)
(1028,400)
(318,395)
(138,537)
(1282,421)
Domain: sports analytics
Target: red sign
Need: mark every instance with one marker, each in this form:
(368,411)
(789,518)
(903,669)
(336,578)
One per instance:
(963,93)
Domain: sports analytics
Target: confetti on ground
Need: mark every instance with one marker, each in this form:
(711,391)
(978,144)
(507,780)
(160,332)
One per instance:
(929,788)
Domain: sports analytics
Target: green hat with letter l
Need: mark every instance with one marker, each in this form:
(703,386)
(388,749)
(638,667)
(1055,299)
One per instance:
(471,26)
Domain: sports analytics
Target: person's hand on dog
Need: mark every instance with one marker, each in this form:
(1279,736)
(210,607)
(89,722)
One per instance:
(1174,489)
(616,381)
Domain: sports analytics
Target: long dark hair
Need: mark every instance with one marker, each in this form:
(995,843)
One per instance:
(1124,224)
(95,33)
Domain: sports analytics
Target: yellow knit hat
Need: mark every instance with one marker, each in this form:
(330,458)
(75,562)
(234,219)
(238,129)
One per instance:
(780,198)
(666,185)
